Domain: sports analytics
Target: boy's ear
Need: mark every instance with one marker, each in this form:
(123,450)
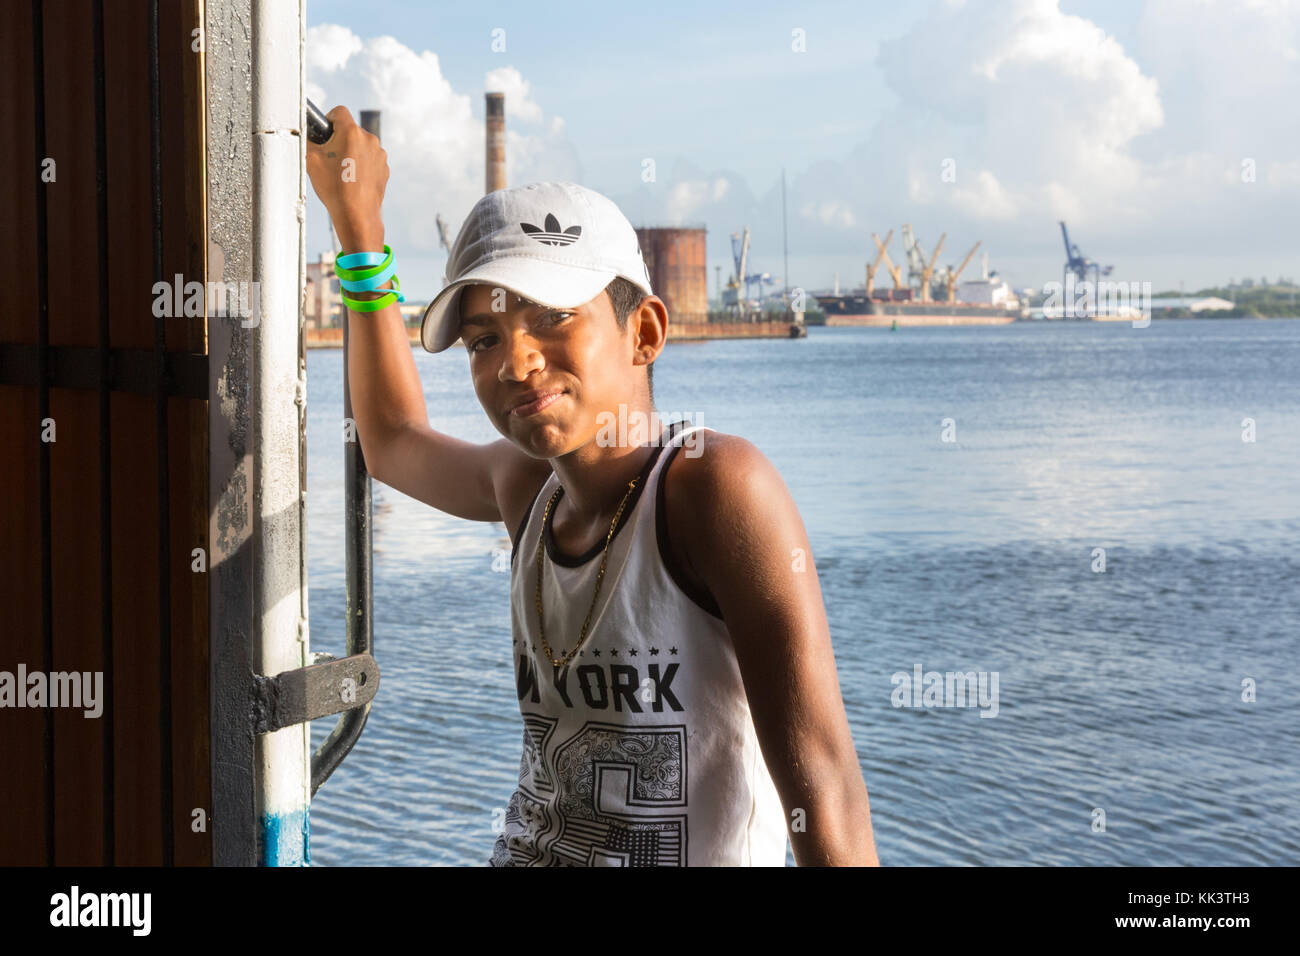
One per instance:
(651,324)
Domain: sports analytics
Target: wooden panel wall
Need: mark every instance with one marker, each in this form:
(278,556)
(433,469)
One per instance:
(99,524)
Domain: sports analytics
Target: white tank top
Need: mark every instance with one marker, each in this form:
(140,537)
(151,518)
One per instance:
(642,751)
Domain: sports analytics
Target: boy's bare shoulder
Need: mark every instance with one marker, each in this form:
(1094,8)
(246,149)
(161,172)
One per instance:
(721,459)
(713,481)
(725,504)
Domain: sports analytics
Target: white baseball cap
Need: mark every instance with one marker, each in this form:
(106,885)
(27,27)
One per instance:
(557,244)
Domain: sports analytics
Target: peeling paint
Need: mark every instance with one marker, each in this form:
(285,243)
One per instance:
(286,839)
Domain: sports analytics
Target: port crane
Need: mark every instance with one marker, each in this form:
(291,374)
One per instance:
(929,269)
(950,277)
(731,296)
(920,271)
(760,279)
(915,261)
(882,255)
(442,231)
(739,256)
(1078,264)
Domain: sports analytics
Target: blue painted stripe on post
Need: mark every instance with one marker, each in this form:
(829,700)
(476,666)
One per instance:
(285,839)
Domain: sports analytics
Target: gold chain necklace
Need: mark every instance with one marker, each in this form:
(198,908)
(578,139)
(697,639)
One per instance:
(541,625)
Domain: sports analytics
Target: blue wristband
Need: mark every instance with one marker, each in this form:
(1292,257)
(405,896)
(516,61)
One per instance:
(372,283)
(360,260)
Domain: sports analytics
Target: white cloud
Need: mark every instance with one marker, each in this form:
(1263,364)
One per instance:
(434,139)
(829,213)
(691,199)
(1022,99)
(329,47)
(1042,116)
(519,104)
(984,197)
(1234,67)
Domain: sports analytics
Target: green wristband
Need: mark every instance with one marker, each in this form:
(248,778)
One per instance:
(354,275)
(374,305)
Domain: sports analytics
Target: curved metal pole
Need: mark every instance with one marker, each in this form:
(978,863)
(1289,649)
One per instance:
(358,539)
(360,588)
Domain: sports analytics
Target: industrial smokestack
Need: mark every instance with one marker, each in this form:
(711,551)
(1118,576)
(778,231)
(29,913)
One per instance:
(370,122)
(496,141)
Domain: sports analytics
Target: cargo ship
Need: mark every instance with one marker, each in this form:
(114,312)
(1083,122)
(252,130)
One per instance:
(898,307)
(981,302)
(985,301)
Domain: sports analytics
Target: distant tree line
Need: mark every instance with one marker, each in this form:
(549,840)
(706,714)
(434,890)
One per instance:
(1280,300)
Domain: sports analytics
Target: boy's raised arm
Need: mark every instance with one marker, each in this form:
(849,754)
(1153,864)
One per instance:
(349,174)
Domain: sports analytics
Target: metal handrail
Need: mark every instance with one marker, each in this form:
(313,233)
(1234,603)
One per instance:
(358,531)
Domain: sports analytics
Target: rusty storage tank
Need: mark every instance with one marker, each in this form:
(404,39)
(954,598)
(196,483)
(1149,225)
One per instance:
(677,260)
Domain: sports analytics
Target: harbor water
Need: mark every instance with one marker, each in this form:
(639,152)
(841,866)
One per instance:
(1104,517)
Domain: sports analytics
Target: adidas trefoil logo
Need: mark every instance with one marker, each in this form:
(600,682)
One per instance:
(551,234)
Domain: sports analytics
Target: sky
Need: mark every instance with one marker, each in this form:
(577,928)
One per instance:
(1165,133)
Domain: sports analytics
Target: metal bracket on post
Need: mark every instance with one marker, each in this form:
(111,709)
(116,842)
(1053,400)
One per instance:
(308,693)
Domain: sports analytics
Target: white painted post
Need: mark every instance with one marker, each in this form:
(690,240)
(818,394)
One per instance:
(284,757)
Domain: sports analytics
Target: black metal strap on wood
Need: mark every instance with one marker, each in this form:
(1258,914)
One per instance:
(311,692)
(185,374)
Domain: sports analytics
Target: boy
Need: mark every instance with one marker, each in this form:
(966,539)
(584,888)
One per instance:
(675,675)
